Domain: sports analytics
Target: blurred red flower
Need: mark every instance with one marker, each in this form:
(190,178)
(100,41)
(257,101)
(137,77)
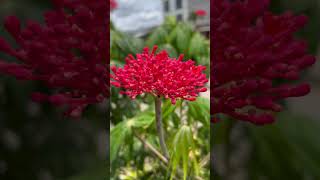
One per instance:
(255,55)
(113,4)
(200,12)
(68,53)
(160,75)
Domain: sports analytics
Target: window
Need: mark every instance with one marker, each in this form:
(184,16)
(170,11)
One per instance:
(178,4)
(179,17)
(166,6)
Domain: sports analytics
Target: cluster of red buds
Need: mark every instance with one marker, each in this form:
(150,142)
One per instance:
(160,75)
(254,58)
(68,53)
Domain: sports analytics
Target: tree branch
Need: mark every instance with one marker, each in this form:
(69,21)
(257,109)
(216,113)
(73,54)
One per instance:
(151,148)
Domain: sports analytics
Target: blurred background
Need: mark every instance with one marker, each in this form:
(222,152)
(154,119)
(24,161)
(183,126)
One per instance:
(140,17)
(36,141)
(289,148)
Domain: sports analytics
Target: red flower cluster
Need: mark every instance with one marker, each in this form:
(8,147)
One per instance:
(200,12)
(113,4)
(254,56)
(160,75)
(68,53)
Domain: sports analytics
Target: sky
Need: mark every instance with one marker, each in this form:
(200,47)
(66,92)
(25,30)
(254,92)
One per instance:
(137,16)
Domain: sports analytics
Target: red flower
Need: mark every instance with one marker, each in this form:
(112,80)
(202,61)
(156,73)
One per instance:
(160,75)
(113,4)
(68,53)
(254,57)
(200,12)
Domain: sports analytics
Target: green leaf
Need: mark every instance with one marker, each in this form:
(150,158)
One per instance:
(183,39)
(123,45)
(198,45)
(168,108)
(170,21)
(173,35)
(199,110)
(157,37)
(281,152)
(117,136)
(123,129)
(170,49)
(183,149)
(143,120)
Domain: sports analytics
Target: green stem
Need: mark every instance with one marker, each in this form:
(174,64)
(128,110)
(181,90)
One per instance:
(160,127)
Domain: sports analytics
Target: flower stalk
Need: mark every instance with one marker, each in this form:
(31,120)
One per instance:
(160,126)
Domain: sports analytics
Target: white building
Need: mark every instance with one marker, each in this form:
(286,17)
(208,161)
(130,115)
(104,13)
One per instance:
(138,17)
(183,9)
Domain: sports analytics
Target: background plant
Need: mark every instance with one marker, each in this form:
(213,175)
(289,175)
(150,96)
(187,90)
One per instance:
(286,149)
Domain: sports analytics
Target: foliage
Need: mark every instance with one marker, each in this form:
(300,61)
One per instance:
(288,149)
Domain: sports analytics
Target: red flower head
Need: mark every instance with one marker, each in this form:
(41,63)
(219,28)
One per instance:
(160,75)
(67,53)
(254,57)
(113,4)
(200,12)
